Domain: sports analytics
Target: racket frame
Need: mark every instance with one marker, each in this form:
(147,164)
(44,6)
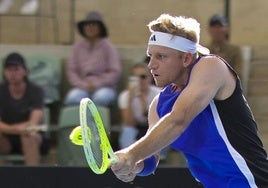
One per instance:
(108,155)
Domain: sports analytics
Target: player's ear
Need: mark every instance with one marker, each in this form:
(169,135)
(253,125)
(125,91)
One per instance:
(187,59)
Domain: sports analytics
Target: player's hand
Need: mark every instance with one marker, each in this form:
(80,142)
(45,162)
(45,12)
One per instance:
(125,168)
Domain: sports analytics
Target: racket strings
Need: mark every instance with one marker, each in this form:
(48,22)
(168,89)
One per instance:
(95,139)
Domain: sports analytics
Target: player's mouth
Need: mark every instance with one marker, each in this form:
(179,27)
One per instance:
(155,75)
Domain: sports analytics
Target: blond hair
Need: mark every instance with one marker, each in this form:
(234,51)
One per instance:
(181,26)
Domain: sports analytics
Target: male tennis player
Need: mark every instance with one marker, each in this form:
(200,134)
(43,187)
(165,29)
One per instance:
(208,120)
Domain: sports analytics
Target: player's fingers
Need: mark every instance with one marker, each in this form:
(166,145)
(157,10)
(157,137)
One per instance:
(127,177)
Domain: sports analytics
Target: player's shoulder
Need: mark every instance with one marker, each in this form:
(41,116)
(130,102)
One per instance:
(210,61)
(210,58)
(210,66)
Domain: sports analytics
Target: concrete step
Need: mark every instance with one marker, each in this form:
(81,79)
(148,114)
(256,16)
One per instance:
(258,105)
(259,70)
(257,87)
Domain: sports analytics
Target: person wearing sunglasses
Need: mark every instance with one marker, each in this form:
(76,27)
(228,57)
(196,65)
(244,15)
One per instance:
(134,102)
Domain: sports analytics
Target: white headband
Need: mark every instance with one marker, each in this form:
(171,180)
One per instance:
(176,42)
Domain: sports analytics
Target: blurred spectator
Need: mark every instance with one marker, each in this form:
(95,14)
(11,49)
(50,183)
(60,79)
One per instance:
(219,33)
(93,67)
(21,105)
(134,102)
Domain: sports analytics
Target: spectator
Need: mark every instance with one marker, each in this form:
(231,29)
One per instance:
(219,32)
(93,67)
(134,103)
(21,105)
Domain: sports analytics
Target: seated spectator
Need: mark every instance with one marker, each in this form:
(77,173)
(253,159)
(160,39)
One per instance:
(134,102)
(93,68)
(21,105)
(219,44)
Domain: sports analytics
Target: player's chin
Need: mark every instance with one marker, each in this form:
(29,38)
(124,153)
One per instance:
(159,84)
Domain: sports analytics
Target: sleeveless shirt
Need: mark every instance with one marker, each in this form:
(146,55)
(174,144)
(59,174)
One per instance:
(221,144)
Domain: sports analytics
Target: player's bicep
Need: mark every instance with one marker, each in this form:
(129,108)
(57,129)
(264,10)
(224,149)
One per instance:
(203,86)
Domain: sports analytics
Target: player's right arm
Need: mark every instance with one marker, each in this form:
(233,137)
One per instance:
(152,119)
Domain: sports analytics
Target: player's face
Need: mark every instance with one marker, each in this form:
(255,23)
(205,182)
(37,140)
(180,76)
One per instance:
(14,74)
(166,66)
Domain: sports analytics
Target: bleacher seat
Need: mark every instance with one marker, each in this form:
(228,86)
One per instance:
(46,72)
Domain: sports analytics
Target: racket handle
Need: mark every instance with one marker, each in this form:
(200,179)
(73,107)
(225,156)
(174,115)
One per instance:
(114,159)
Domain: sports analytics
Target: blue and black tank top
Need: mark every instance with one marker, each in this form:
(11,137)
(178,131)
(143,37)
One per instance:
(221,144)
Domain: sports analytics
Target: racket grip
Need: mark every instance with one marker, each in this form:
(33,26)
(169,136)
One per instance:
(114,159)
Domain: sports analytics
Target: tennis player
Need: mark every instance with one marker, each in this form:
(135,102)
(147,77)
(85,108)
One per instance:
(208,120)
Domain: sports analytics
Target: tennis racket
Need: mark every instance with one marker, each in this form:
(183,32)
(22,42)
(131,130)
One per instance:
(97,148)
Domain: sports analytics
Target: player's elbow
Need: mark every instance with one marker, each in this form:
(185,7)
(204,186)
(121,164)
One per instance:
(179,120)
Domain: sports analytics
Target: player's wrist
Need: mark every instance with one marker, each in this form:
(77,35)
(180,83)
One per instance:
(139,167)
(149,166)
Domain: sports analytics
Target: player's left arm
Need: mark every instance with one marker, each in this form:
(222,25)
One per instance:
(153,118)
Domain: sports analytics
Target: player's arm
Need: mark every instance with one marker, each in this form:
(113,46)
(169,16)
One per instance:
(153,118)
(209,79)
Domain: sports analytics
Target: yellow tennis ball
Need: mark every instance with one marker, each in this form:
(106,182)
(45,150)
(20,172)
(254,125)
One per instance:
(76,136)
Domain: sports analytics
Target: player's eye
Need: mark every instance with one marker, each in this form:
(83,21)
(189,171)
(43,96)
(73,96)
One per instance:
(162,57)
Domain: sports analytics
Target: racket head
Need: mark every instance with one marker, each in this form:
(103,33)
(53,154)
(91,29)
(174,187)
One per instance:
(95,141)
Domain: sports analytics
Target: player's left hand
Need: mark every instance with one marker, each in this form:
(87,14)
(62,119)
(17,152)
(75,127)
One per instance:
(125,169)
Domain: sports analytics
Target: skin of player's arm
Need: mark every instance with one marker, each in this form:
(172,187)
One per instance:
(205,84)
(153,118)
